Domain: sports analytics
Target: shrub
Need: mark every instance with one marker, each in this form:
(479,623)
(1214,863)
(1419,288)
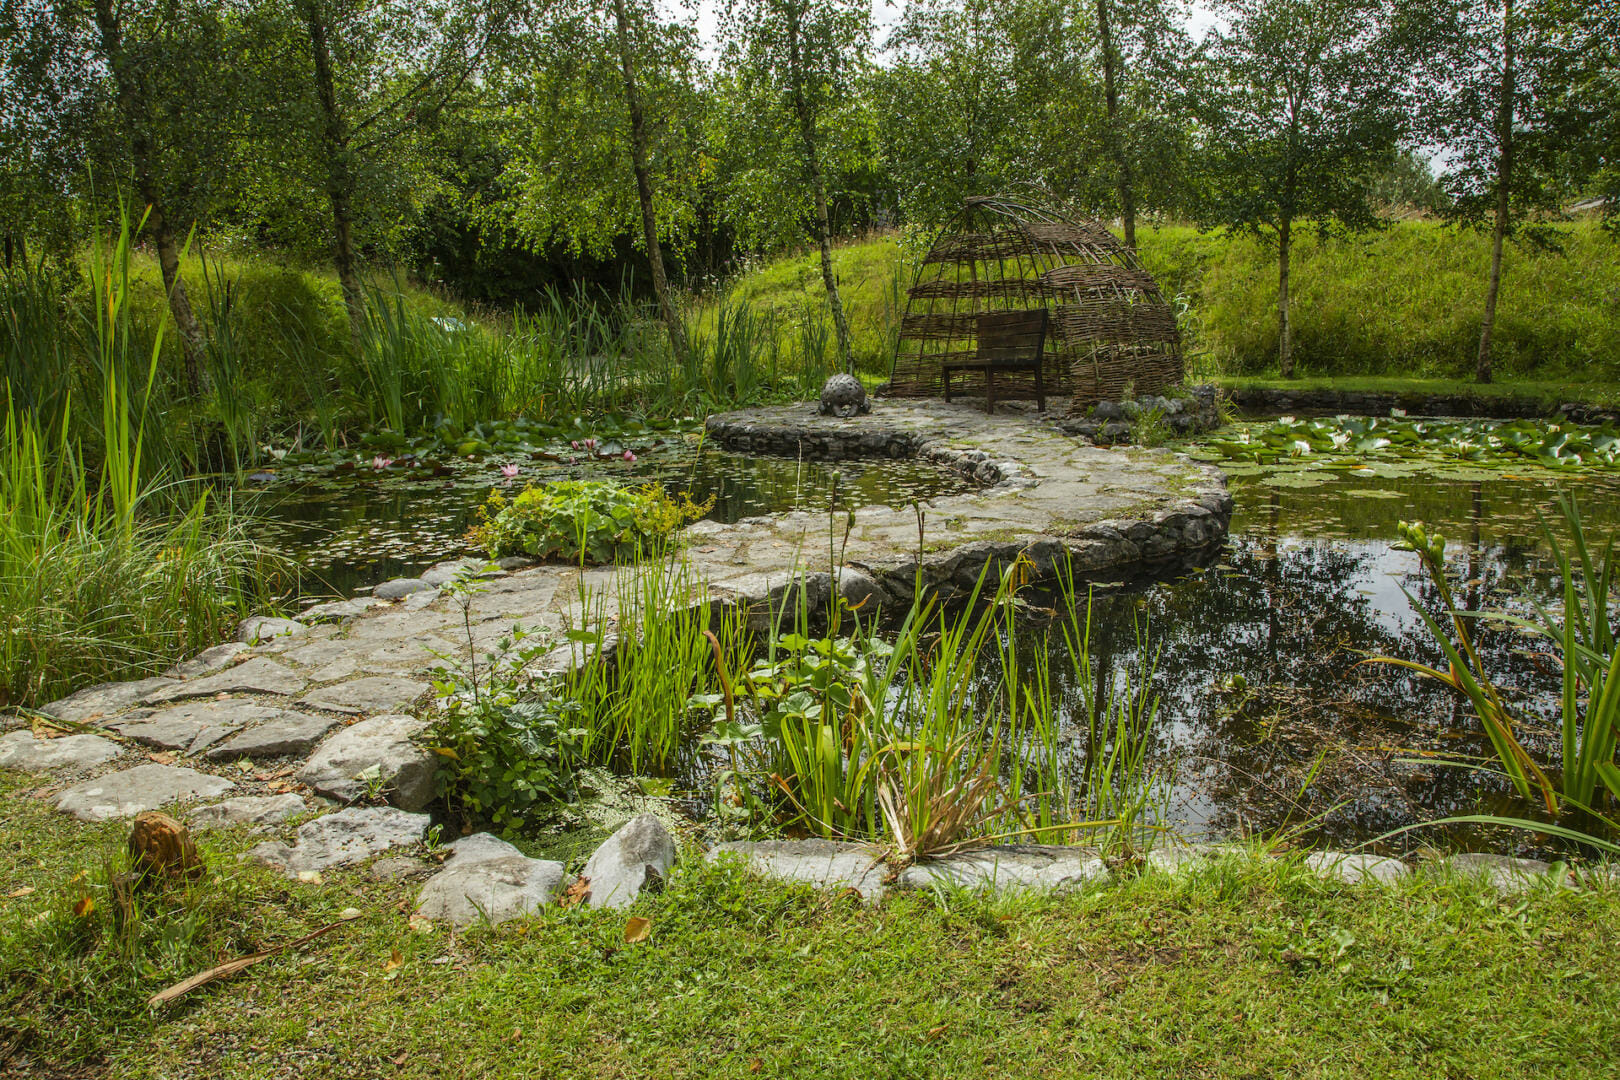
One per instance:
(593,521)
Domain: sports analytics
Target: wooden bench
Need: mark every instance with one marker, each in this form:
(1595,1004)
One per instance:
(1007,341)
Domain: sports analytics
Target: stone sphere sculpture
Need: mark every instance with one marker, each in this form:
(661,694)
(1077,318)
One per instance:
(843,395)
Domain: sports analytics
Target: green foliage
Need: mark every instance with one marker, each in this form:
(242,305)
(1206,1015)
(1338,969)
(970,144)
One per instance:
(502,752)
(1357,443)
(594,521)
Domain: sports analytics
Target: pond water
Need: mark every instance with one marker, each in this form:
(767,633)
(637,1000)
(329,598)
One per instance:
(1269,722)
(353,528)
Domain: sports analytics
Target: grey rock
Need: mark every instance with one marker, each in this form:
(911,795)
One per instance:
(860,590)
(416,601)
(1039,868)
(342,839)
(843,396)
(103,700)
(516,562)
(1108,410)
(1179,858)
(499,889)
(477,848)
(1504,873)
(206,661)
(1353,869)
(164,732)
(398,588)
(248,810)
(637,856)
(257,628)
(259,675)
(371,695)
(397,868)
(824,864)
(379,748)
(335,610)
(145,787)
(287,734)
(70,753)
(443,573)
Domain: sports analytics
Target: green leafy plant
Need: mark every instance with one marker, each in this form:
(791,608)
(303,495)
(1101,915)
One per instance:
(590,521)
(501,745)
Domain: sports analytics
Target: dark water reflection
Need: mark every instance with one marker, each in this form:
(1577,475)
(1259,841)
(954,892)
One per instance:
(1271,719)
(352,531)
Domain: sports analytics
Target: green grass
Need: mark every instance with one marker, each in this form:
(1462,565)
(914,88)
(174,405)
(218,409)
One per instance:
(1247,969)
(1399,303)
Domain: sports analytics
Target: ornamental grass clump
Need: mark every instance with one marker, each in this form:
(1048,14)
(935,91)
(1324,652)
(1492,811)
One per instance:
(589,521)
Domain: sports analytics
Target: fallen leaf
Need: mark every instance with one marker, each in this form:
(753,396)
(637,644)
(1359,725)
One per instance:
(637,929)
(310,877)
(402,1059)
(517,1033)
(162,758)
(83,906)
(18,894)
(349,913)
(934,1033)
(395,959)
(575,894)
(755,1064)
(277,775)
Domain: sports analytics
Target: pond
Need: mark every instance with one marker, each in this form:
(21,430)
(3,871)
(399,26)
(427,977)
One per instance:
(1270,723)
(1270,720)
(356,527)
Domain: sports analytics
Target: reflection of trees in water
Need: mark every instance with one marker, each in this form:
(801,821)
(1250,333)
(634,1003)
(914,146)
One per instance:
(1293,619)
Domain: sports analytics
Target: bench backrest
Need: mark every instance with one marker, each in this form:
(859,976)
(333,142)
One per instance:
(1011,338)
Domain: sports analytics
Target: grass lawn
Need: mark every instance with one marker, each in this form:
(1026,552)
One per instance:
(1248,969)
(1543,392)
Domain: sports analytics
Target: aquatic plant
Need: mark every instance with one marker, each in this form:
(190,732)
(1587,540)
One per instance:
(593,521)
(1583,641)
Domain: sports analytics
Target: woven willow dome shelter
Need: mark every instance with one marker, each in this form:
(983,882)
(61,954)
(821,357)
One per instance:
(1109,328)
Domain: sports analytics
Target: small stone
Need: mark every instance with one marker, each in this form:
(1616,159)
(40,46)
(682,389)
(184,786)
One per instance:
(257,628)
(499,889)
(248,810)
(637,856)
(516,562)
(399,587)
(476,848)
(342,839)
(1354,869)
(22,750)
(1031,868)
(288,734)
(206,661)
(379,748)
(371,695)
(443,573)
(145,787)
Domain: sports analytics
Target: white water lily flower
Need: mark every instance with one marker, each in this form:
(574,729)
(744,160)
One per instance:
(1301,448)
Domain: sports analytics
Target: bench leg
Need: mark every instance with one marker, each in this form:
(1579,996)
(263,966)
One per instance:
(1040,389)
(945,373)
(989,389)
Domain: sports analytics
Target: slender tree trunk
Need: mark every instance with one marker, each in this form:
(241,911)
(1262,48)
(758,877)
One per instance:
(340,183)
(1285,329)
(644,191)
(1116,139)
(1504,176)
(818,185)
(132,106)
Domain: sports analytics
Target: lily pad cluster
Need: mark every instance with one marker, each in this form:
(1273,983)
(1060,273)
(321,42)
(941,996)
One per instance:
(579,439)
(1396,446)
(595,521)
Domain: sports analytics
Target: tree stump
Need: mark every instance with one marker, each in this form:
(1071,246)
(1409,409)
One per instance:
(162,847)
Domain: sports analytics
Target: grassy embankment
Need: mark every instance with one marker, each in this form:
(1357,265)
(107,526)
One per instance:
(1389,310)
(1247,969)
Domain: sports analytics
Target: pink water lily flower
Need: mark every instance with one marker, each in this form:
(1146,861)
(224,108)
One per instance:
(379,462)
(628,456)
(574,444)
(509,470)
(590,444)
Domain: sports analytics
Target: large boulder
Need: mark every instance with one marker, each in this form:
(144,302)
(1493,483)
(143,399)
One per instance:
(485,877)
(374,754)
(637,856)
